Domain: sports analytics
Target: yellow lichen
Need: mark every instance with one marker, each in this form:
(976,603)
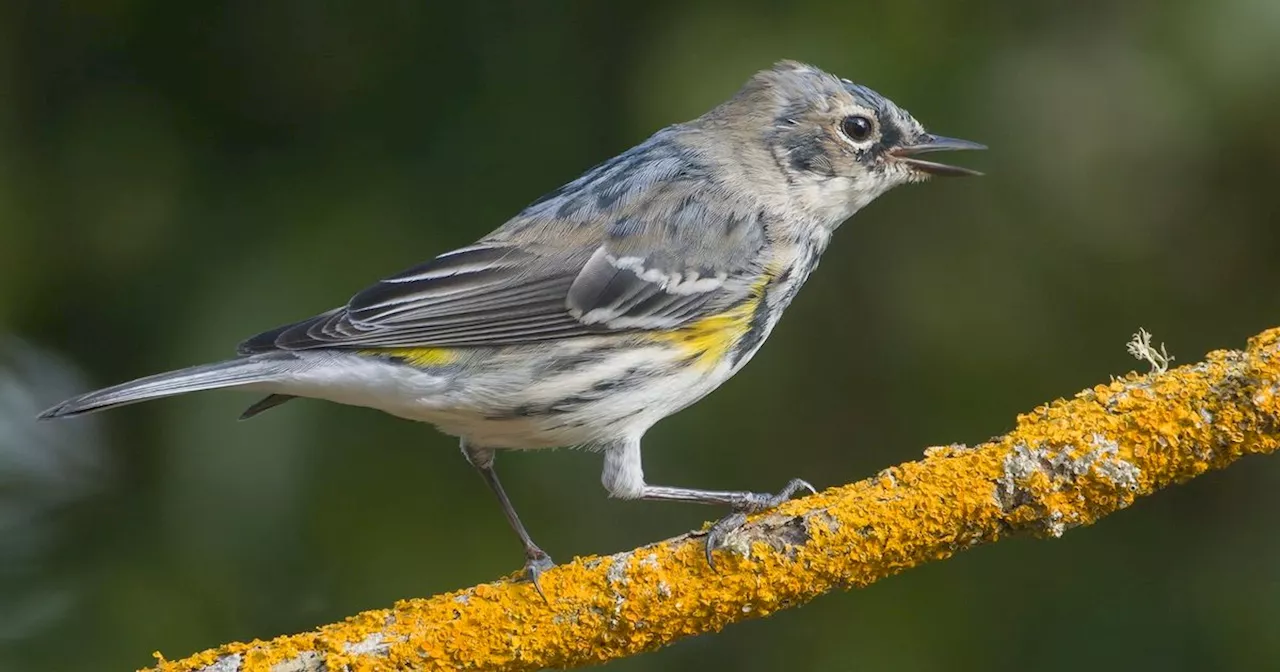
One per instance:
(1067,463)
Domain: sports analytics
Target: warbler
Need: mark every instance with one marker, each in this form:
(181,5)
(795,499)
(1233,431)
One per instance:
(608,304)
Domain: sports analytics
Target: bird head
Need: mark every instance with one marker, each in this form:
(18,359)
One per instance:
(831,146)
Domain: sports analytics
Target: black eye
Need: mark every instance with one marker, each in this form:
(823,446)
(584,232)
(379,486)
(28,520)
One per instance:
(856,127)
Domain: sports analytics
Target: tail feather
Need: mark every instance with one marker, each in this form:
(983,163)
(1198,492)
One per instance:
(265,404)
(231,373)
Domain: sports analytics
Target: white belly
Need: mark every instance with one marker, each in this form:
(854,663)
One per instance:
(503,398)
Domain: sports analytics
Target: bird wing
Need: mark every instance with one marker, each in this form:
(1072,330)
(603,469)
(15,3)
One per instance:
(668,264)
(663,262)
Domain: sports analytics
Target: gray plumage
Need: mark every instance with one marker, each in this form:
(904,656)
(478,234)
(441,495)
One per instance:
(674,229)
(611,302)
(231,373)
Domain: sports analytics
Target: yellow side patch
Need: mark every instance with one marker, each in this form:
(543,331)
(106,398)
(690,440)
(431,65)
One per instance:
(417,356)
(710,339)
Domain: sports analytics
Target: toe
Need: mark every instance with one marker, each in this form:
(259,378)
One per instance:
(752,503)
(719,533)
(534,567)
(793,486)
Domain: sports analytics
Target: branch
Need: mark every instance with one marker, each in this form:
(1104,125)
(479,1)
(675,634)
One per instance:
(1066,464)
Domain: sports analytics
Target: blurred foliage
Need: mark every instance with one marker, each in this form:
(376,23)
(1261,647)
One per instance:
(175,176)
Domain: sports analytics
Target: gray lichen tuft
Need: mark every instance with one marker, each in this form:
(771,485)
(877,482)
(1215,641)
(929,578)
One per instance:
(1063,467)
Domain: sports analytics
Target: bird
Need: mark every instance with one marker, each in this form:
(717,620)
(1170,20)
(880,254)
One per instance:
(608,304)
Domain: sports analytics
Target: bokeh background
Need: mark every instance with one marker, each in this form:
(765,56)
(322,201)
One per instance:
(176,176)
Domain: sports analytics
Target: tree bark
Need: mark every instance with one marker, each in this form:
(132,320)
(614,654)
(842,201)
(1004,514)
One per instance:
(1066,464)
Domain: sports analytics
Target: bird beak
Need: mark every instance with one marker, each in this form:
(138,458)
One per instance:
(935,143)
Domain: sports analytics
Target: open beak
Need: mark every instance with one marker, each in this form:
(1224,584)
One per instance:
(935,143)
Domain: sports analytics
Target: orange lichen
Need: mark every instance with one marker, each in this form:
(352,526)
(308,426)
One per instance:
(1067,463)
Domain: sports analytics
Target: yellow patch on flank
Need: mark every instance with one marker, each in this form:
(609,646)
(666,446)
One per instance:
(710,339)
(417,356)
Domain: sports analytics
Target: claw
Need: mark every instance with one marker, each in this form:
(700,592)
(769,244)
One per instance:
(719,532)
(793,486)
(756,503)
(536,563)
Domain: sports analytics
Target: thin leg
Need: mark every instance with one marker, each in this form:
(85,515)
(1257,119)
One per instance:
(536,560)
(738,500)
(623,477)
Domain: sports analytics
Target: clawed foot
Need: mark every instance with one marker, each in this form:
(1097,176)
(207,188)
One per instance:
(753,502)
(536,562)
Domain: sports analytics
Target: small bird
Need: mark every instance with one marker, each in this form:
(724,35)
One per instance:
(608,304)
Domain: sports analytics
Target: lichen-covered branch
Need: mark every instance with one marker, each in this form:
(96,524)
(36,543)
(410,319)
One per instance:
(1066,464)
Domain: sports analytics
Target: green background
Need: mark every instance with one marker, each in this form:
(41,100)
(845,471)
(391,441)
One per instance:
(176,176)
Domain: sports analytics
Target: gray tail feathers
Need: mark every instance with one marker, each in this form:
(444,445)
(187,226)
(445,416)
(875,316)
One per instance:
(265,404)
(231,373)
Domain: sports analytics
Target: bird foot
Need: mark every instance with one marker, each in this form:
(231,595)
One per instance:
(536,563)
(753,502)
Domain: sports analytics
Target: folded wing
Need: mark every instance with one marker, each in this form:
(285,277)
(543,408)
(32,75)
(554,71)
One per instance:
(659,260)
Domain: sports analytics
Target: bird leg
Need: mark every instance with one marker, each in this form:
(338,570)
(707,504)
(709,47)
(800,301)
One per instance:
(623,477)
(536,560)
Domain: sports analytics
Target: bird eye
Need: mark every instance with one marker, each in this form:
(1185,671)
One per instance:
(856,127)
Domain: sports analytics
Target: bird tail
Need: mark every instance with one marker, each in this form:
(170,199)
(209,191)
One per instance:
(231,373)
